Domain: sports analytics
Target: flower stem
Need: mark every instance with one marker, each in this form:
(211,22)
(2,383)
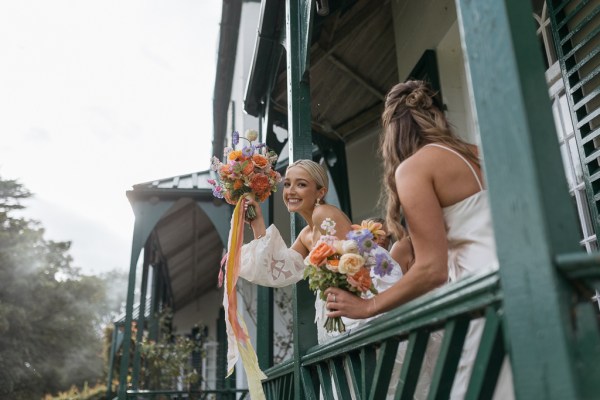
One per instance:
(250,213)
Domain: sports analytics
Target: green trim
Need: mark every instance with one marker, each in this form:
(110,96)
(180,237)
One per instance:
(228,40)
(141,322)
(267,54)
(532,212)
(300,146)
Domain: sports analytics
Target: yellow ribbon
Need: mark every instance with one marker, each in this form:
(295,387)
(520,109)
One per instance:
(238,339)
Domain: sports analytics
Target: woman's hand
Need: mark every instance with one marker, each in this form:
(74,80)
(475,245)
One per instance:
(249,200)
(342,303)
(257,224)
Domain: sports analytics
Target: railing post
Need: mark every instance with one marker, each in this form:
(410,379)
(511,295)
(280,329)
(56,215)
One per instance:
(298,17)
(533,217)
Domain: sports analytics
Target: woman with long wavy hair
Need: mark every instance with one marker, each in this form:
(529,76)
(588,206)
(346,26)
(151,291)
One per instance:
(434,180)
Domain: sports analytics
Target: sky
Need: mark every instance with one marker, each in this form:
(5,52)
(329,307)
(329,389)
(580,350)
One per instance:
(99,95)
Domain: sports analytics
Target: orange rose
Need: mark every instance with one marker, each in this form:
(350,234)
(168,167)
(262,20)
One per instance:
(238,184)
(259,184)
(333,264)
(319,254)
(361,280)
(225,170)
(248,169)
(260,161)
(263,196)
(227,196)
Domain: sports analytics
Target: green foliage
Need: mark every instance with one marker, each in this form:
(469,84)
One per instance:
(97,392)
(50,313)
(170,358)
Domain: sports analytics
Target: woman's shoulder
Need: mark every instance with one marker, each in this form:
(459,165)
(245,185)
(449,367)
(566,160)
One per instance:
(324,211)
(429,159)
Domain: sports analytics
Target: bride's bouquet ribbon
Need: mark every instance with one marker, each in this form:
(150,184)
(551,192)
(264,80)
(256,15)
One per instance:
(238,340)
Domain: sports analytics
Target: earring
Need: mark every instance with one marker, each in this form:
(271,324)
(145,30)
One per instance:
(318,203)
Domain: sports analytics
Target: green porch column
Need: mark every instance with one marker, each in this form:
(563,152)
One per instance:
(147,215)
(141,322)
(298,21)
(534,219)
(264,298)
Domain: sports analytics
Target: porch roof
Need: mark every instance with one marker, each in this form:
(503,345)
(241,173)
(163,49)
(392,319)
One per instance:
(352,60)
(185,225)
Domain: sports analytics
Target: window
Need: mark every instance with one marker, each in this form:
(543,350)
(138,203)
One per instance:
(567,137)
(209,366)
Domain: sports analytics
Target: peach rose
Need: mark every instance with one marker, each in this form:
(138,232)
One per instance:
(361,280)
(319,254)
(351,263)
(260,161)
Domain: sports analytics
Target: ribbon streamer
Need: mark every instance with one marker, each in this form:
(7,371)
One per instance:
(238,340)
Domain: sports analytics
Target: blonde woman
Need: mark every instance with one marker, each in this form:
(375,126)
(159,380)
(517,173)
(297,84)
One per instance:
(267,260)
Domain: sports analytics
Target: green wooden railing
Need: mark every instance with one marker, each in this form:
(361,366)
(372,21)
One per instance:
(220,394)
(362,361)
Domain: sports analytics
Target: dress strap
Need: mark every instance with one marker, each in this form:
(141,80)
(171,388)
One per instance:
(463,158)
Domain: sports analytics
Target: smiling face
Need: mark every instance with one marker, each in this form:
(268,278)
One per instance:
(300,191)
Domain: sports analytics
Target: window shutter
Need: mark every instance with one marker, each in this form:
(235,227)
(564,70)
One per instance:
(576,28)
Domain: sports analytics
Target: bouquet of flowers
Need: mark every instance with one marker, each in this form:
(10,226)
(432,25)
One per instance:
(346,264)
(249,170)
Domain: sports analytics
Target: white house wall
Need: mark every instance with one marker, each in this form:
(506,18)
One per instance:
(432,24)
(202,311)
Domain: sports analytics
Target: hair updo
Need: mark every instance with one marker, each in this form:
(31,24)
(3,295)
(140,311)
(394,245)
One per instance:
(412,117)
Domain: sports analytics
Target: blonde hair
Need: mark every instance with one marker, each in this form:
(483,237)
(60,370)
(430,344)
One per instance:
(412,117)
(315,170)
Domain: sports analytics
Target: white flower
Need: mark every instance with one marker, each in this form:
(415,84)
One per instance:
(251,135)
(350,263)
(328,226)
(349,246)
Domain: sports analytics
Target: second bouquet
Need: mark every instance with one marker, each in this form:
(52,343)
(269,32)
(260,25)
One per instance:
(346,264)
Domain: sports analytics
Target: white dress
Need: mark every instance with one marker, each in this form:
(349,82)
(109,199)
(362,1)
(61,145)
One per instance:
(472,250)
(269,262)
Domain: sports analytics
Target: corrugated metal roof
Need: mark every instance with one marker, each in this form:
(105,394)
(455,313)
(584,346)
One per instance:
(194,180)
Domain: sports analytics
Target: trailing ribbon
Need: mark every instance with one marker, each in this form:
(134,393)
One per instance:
(238,340)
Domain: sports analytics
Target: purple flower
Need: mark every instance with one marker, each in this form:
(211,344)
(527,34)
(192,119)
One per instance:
(383,264)
(247,151)
(364,239)
(235,137)
(211,181)
(217,192)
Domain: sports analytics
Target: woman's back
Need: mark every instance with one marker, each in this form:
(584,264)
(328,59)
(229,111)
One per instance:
(471,244)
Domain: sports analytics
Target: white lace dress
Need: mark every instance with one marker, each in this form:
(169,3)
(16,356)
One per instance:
(269,262)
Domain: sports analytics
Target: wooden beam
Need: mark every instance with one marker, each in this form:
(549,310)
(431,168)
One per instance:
(364,82)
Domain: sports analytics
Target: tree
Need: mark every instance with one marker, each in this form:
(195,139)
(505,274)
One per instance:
(50,313)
